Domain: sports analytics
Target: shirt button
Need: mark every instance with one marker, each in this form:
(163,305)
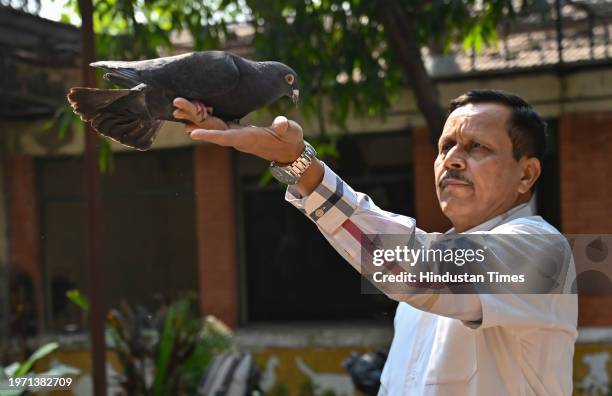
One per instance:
(319,212)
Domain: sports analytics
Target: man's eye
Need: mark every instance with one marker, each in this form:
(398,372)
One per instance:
(476,145)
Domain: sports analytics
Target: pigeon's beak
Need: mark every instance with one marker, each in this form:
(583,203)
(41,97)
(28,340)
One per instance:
(296,96)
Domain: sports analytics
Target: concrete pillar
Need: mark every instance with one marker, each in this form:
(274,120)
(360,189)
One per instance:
(23,225)
(585,161)
(216,231)
(429,216)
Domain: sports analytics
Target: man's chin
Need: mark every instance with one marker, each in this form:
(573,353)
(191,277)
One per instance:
(452,204)
(460,195)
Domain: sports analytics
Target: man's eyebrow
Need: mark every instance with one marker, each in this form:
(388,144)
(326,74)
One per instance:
(481,135)
(487,139)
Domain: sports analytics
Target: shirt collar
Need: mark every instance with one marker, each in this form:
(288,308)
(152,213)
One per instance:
(522,210)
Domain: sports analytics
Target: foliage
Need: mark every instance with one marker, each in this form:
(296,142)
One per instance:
(63,119)
(339,48)
(141,29)
(23,369)
(79,299)
(164,352)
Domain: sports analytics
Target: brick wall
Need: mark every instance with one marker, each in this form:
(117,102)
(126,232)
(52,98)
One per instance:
(429,216)
(585,158)
(215,217)
(23,225)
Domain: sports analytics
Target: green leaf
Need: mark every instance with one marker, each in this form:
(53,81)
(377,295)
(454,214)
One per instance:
(165,351)
(105,156)
(79,299)
(66,120)
(265,178)
(40,353)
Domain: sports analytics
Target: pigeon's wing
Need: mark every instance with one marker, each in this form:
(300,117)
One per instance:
(201,75)
(196,75)
(120,70)
(120,80)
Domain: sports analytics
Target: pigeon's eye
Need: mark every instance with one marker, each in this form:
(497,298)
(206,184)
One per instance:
(289,78)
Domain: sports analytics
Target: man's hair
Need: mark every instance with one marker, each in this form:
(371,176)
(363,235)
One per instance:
(527,130)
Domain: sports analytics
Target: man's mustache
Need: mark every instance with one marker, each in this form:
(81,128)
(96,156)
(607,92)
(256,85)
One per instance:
(455,175)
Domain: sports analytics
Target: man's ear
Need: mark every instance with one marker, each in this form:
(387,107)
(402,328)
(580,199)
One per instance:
(531,170)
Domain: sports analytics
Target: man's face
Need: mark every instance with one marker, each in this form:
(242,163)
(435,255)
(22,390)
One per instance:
(477,177)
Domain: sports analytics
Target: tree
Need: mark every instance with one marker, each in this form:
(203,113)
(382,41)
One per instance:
(373,46)
(360,53)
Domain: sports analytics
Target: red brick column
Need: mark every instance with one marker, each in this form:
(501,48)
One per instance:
(429,216)
(216,228)
(585,158)
(23,225)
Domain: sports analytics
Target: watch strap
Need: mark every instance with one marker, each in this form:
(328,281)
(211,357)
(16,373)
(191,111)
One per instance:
(296,169)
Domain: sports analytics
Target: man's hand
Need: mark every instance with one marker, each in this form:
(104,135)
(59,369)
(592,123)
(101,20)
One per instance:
(282,142)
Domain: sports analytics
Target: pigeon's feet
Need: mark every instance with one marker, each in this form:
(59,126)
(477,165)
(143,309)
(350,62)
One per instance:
(202,111)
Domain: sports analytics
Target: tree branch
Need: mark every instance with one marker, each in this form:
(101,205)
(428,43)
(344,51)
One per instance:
(400,28)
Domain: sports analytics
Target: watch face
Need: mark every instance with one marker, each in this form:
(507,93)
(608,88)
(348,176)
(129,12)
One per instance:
(282,176)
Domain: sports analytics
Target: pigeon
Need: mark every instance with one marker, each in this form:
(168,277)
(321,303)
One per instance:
(229,85)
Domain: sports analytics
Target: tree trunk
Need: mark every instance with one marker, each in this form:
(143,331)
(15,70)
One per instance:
(402,35)
(94,212)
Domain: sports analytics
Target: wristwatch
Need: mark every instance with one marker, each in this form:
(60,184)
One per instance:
(290,174)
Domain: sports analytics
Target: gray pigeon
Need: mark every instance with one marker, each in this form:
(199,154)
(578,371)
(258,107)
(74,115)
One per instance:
(228,84)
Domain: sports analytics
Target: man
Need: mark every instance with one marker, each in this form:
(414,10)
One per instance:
(489,159)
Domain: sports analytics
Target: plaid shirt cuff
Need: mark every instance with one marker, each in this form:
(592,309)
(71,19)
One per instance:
(329,205)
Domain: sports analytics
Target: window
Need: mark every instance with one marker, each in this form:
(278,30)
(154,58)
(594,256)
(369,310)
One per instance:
(149,236)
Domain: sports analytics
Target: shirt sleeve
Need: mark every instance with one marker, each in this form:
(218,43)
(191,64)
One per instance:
(343,216)
(542,255)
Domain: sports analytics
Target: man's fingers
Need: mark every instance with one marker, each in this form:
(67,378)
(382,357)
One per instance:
(180,115)
(294,125)
(184,105)
(282,127)
(280,124)
(222,138)
(187,110)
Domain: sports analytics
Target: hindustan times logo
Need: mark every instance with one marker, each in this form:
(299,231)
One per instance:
(425,255)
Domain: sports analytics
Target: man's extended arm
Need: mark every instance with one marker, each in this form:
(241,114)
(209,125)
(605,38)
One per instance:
(339,212)
(344,215)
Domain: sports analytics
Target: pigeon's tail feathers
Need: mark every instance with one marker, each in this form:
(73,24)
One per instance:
(127,129)
(120,114)
(124,69)
(87,102)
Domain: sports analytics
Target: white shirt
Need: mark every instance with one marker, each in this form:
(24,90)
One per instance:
(460,344)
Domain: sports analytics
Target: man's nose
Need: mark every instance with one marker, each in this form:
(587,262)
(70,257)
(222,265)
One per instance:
(454,159)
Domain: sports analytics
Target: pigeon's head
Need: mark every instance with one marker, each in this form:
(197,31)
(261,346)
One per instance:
(288,79)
